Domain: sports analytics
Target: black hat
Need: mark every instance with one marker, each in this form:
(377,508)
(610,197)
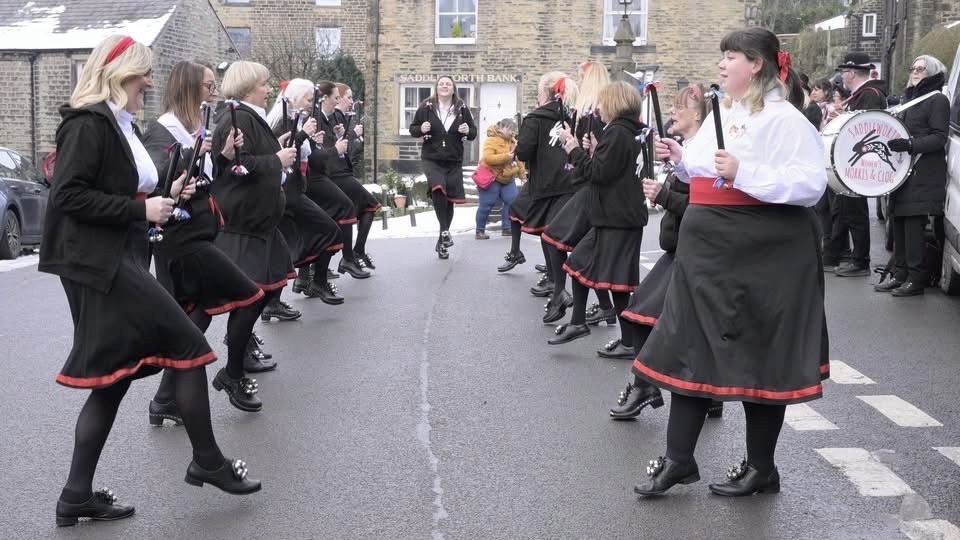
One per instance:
(856,60)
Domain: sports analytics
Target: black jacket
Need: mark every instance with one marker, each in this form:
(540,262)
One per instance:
(870,96)
(585,124)
(355,143)
(674,197)
(542,151)
(92,208)
(443,145)
(616,193)
(928,122)
(337,165)
(253,203)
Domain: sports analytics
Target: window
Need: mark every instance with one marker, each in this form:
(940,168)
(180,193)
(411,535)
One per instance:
(637,14)
(456,21)
(869,25)
(77,70)
(333,3)
(241,40)
(328,40)
(412,95)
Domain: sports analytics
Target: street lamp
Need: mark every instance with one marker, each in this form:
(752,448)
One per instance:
(626,5)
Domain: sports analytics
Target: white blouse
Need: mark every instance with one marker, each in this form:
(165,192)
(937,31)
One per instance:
(146,170)
(182,136)
(780,152)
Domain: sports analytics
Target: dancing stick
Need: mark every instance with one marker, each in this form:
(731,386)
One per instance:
(655,99)
(155,232)
(238,169)
(715,94)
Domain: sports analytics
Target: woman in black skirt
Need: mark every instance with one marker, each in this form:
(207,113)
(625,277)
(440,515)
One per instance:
(539,146)
(608,256)
(312,234)
(444,122)
(743,318)
(203,280)
(346,112)
(637,320)
(126,326)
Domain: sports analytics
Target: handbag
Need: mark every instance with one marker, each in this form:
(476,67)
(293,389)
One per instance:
(484,176)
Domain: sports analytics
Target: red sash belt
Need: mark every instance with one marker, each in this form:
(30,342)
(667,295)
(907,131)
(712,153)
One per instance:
(702,191)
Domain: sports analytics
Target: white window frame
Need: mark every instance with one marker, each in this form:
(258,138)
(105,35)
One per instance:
(325,29)
(869,25)
(452,40)
(468,89)
(613,12)
(328,3)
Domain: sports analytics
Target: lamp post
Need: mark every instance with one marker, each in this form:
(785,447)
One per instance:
(624,37)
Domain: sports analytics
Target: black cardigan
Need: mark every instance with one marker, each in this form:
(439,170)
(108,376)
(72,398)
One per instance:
(443,145)
(92,208)
(542,151)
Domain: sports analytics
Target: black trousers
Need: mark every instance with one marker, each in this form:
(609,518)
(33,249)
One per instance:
(853,218)
(909,245)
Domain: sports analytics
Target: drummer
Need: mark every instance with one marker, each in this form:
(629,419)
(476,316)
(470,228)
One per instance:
(854,216)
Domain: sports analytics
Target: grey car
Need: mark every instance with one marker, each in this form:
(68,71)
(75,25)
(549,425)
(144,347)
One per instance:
(23,204)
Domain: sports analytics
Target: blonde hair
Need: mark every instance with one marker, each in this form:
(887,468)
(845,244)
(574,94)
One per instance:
(549,83)
(295,89)
(242,77)
(621,99)
(100,81)
(593,77)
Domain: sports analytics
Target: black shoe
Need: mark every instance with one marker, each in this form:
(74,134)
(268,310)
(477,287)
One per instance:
(616,349)
(304,275)
(595,315)
(910,288)
(513,259)
(279,310)
(101,506)
(543,288)
(888,285)
(230,477)
(441,249)
(242,391)
(715,410)
(352,268)
(364,260)
(257,344)
(326,292)
(332,275)
(254,361)
(852,270)
(744,479)
(569,332)
(164,411)
(446,239)
(542,268)
(665,473)
(634,398)
(557,307)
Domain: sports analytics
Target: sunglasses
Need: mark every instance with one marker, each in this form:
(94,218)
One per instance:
(918,69)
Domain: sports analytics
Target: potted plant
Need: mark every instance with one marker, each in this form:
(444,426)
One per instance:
(396,186)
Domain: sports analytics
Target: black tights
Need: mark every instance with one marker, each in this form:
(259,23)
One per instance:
(548,260)
(686,420)
(364,223)
(557,258)
(165,389)
(346,233)
(443,208)
(580,293)
(515,236)
(96,420)
(239,329)
(320,267)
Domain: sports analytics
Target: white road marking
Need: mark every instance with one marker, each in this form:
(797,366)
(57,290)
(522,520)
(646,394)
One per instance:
(802,417)
(951,453)
(841,373)
(930,529)
(871,478)
(900,412)
(20,262)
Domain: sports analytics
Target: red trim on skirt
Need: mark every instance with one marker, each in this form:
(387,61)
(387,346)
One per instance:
(347,221)
(598,285)
(334,248)
(702,191)
(637,318)
(230,306)
(518,220)
(773,395)
(559,245)
(140,196)
(278,284)
(532,230)
(379,206)
(306,260)
(444,191)
(157,361)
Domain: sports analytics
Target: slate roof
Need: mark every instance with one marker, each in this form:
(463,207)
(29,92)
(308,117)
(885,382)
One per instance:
(79,24)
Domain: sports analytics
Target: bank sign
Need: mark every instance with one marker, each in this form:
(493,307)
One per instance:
(410,78)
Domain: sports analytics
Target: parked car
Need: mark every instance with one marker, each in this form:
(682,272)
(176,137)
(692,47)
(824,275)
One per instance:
(23,204)
(950,278)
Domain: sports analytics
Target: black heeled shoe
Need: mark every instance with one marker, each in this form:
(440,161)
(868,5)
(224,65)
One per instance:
(304,275)
(634,398)
(441,250)
(744,479)
(352,268)
(242,391)
(715,410)
(101,506)
(258,344)
(543,288)
(888,285)
(326,292)
(164,411)
(556,308)
(513,259)
(910,288)
(595,315)
(542,268)
(616,349)
(569,332)
(331,275)
(255,360)
(230,477)
(665,473)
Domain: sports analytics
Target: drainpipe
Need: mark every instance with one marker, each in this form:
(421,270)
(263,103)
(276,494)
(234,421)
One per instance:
(33,108)
(376,92)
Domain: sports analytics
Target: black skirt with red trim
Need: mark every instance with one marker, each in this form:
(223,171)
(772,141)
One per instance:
(263,257)
(310,233)
(446,177)
(646,303)
(743,318)
(133,331)
(607,259)
(206,279)
(521,205)
(363,200)
(542,211)
(331,199)
(570,224)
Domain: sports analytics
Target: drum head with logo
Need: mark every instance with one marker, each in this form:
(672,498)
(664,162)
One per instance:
(860,157)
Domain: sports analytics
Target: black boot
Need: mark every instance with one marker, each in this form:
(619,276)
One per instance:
(744,479)
(102,506)
(665,473)
(230,477)
(331,275)
(352,268)
(280,310)
(242,391)
(513,259)
(254,361)
(910,288)
(304,275)
(634,398)
(164,411)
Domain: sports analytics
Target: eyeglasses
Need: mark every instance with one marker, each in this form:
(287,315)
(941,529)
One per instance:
(918,69)
(210,86)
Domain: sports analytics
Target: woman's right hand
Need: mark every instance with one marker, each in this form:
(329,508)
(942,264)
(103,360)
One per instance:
(234,141)
(287,155)
(341,146)
(669,148)
(651,188)
(159,209)
(425,127)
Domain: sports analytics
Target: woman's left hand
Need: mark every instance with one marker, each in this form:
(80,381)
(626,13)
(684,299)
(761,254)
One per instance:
(464,128)
(179,190)
(726,164)
(310,127)
(207,144)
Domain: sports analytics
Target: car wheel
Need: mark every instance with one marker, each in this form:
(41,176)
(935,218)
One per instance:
(949,279)
(10,240)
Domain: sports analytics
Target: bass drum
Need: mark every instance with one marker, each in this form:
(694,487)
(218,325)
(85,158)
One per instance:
(859,163)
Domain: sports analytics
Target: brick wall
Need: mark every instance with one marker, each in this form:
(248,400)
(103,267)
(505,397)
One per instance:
(15,129)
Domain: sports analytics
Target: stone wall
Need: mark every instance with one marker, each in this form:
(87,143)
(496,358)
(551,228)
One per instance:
(15,129)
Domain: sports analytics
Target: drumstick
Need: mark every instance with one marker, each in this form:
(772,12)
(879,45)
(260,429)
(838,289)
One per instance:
(717,124)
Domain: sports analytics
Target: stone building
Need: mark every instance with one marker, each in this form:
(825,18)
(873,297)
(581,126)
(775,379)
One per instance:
(44,44)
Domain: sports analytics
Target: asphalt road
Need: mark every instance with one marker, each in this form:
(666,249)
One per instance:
(429,406)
